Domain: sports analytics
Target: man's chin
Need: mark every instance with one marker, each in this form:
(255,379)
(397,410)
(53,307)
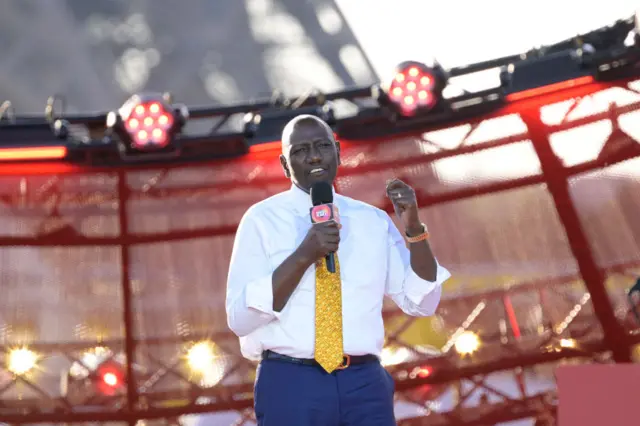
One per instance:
(311,180)
(323,177)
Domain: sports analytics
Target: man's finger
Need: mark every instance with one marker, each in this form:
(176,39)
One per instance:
(329,224)
(394,192)
(395,183)
(329,227)
(398,195)
(404,192)
(332,231)
(333,239)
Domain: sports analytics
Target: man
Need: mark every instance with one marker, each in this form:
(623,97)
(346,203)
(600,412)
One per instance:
(281,303)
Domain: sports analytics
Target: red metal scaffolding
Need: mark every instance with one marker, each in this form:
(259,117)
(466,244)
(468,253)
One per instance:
(136,257)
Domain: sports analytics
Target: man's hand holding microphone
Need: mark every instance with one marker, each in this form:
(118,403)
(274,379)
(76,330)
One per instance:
(323,238)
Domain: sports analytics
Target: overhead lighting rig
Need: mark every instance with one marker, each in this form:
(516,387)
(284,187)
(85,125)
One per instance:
(147,124)
(266,126)
(413,89)
(545,74)
(149,127)
(16,136)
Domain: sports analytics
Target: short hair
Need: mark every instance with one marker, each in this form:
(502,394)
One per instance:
(303,120)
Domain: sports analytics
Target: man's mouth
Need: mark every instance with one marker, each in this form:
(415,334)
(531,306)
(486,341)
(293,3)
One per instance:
(318,171)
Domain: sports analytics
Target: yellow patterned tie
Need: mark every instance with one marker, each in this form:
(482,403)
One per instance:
(329,349)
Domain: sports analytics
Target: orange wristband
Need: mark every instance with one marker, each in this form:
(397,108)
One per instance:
(420,237)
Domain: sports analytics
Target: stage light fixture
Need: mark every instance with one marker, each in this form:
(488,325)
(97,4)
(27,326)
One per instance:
(205,363)
(21,361)
(467,343)
(200,357)
(18,146)
(89,361)
(147,123)
(263,127)
(421,372)
(414,88)
(110,378)
(424,371)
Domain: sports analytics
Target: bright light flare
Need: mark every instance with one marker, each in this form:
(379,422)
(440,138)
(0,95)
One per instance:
(94,357)
(21,361)
(204,360)
(394,356)
(110,379)
(568,343)
(467,343)
(90,361)
(201,357)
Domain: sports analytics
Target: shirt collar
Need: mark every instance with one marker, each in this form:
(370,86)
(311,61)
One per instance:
(302,201)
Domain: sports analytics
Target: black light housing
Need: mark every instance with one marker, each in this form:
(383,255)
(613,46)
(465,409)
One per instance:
(413,89)
(147,123)
(535,73)
(266,126)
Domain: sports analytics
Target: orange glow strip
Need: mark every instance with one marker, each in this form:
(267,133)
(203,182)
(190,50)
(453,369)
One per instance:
(272,146)
(268,146)
(555,87)
(35,153)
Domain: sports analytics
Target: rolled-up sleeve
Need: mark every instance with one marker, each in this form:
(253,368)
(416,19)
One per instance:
(249,301)
(412,294)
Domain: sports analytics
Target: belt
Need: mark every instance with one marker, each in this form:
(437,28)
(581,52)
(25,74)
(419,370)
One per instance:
(348,359)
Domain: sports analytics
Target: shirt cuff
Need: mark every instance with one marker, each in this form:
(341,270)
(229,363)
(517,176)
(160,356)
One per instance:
(418,290)
(259,296)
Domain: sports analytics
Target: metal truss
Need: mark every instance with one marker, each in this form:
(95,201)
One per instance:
(577,322)
(421,381)
(86,142)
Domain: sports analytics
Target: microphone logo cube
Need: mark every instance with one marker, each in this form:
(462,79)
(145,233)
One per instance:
(324,213)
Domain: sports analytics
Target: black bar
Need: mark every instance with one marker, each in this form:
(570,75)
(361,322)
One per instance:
(127,294)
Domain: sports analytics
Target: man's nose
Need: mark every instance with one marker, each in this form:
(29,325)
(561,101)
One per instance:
(314,155)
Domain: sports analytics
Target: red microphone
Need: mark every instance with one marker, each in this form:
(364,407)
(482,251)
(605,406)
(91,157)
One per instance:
(324,210)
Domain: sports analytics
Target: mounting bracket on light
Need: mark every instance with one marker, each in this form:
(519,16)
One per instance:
(266,126)
(553,68)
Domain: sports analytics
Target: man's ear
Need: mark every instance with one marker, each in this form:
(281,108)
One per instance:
(285,167)
(338,150)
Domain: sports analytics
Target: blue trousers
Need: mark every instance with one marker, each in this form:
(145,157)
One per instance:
(288,394)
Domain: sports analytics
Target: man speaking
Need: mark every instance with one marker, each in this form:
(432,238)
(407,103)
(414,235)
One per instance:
(308,274)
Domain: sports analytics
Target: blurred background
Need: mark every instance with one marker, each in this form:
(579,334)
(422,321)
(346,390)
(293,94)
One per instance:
(216,52)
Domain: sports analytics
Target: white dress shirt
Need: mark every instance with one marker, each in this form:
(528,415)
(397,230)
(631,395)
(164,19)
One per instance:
(374,262)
